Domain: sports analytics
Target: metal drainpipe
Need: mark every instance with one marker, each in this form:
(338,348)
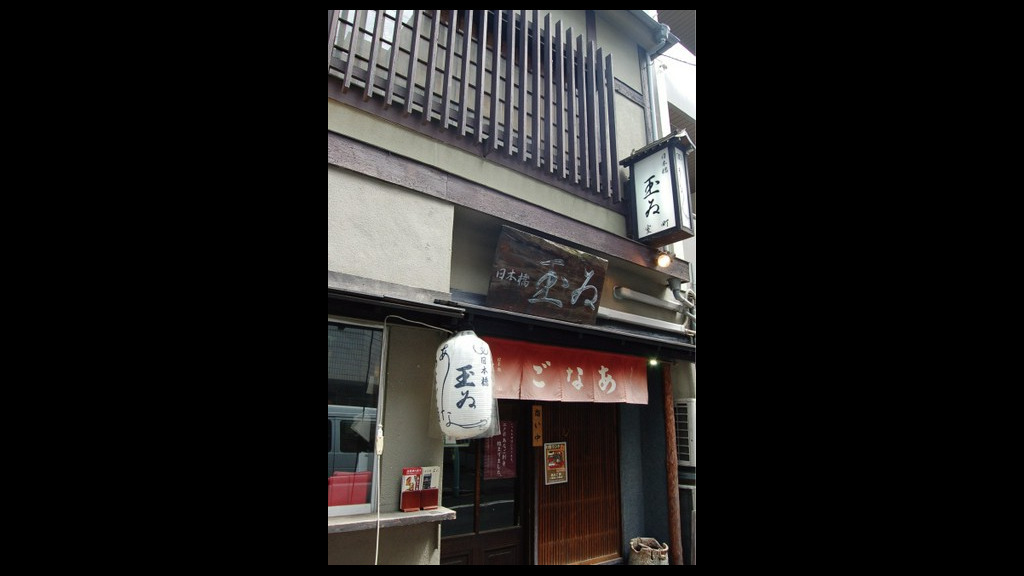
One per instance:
(662,38)
(677,290)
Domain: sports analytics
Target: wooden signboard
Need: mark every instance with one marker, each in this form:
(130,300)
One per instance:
(535,276)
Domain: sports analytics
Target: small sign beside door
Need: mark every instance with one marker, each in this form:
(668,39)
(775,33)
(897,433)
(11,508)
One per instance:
(556,469)
(538,426)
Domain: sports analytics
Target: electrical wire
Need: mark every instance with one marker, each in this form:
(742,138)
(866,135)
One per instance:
(380,425)
(677,60)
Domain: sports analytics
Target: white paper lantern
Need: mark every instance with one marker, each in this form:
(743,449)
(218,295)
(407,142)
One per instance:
(463,383)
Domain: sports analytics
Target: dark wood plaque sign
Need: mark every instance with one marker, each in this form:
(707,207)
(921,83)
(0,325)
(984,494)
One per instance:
(535,276)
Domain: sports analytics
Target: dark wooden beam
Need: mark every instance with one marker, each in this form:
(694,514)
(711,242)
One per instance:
(593,179)
(602,121)
(449,64)
(350,58)
(522,85)
(560,90)
(467,45)
(371,66)
(510,75)
(332,34)
(428,86)
(675,527)
(570,63)
(495,85)
(628,91)
(414,50)
(481,78)
(549,97)
(613,149)
(371,161)
(644,72)
(535,148)
(396,40)
(581,85)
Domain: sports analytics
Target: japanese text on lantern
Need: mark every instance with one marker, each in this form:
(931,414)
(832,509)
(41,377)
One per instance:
(654,205)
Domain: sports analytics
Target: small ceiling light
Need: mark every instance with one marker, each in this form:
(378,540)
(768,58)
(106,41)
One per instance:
(654,361)
(664,259)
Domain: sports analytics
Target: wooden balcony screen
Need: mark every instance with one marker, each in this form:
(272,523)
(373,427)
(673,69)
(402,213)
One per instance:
(549,107)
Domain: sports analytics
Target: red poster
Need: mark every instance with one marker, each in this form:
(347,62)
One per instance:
(500,453)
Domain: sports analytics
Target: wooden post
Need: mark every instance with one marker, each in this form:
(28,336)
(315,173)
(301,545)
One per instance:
(675,528)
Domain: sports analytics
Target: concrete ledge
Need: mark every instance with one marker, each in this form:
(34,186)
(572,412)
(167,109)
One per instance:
(341,524)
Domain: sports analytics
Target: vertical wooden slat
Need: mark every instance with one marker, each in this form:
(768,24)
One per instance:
(467,46)
(332,34)
(510,71)
(675,527)
(371,66)
(522,85)
(560,90)
(548,96)
(428,104)
(481,77)
(613,151)
(535,132)
(396,40)
(350,66)
(495,77)
(579,521)
(581,84)
(573,166)
(414,50)
(593,180)
(448,65)
(602,120)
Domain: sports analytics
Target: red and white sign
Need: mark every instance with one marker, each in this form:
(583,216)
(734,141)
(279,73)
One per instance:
(526,371)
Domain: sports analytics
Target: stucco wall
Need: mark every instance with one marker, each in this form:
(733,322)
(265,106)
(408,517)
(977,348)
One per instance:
(384,232)
(623,50)
(409,545)
(408,420)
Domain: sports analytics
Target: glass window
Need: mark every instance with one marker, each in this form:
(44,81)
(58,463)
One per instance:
(353,394)
(458,487)
(481,479)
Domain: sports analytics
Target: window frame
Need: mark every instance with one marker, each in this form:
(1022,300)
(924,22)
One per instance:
(354,509)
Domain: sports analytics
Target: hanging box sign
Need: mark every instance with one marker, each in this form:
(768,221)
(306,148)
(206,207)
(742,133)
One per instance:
(659,203)
(463,374)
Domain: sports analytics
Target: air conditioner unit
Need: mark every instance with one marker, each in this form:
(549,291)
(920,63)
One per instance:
(686,431)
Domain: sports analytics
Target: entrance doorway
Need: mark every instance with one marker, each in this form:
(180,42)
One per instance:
(486,483)
(507,514)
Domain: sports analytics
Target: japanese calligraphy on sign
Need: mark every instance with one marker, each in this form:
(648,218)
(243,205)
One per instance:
(500,453)
(655,205)
(535,276)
